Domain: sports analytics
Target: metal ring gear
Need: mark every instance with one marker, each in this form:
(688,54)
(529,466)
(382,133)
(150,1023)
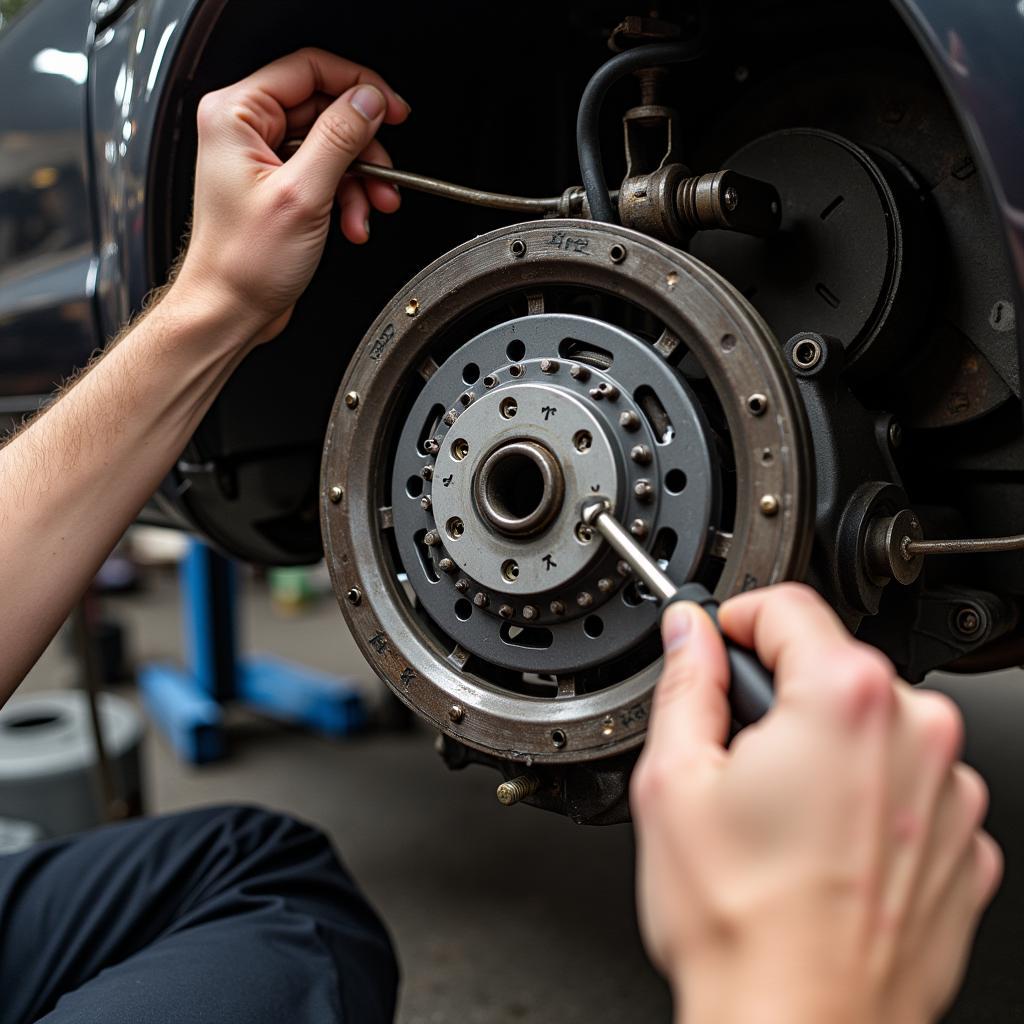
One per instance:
(366,531)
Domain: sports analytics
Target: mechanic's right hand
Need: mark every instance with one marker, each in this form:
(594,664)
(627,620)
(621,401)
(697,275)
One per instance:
(259,224)
(829,865)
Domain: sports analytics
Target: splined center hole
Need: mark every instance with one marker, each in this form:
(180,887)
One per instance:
(516,486)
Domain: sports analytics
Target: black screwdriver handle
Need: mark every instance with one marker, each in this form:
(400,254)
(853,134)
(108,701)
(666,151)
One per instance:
(751,691)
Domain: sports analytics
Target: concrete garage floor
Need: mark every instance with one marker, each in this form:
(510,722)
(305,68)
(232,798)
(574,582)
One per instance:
(500,915)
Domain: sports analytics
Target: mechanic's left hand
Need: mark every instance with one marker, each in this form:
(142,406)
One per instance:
(260,223)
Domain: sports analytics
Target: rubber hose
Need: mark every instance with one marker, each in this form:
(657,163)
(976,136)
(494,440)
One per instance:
(588,121)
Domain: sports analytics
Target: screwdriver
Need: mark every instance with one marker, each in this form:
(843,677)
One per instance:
(750,690)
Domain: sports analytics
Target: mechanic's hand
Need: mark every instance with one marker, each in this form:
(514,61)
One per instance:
(259,223)
(830,864)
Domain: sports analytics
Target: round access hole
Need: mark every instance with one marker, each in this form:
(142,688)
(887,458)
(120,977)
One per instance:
(675,481)
(460,449)
(414,486)
(463,609)
(593,626)
(510,570)
(515,350)
(471,373)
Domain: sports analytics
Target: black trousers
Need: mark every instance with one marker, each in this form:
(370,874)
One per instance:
(220,914)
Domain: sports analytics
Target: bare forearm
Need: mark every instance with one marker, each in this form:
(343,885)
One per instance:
(72,482)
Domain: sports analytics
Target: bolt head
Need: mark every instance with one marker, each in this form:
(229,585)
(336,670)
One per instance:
(467,397)
(431,447)
(557,608)
(623,568)
(450,417)
(352,399)
(446,565)
(412,307)
(643,490)
(968,622)
(425,502)
(462,586)
(506,611)
(640,454)
(431,538)
(606,584)
(639,528)
(580,373)
(549,366)
(481,600)
(456,713)
(427,472)
(769,505)
(336,493)
(585,599)
(629,421)
(529,612)
(354,595)
(730,198)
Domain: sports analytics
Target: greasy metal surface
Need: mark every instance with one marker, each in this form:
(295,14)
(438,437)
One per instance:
(739,356)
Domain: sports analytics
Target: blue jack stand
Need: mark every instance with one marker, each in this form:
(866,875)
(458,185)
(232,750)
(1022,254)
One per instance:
(187,705)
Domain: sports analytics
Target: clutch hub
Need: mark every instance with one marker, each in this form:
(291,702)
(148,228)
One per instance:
(524,372)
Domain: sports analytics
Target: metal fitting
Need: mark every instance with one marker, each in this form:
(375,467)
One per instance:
(584,599)
(481,600)
(506,611)
(462,586)
(456,713)
(529,612)
(580,373)
(557,608)
(643,490)
(352,399)
(769,505)
(446,565)
(425,502)
(639,528)
(606,584)
(519,788)
(640,454)
(549,366)
(336,493)
(629,420)
(354,595)
(431,538)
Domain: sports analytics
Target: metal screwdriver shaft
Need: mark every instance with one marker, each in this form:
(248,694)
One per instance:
(750,689)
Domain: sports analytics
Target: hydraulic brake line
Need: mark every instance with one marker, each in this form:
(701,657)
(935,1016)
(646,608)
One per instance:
(588,121)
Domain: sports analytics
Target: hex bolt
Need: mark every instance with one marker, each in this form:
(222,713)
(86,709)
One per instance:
(456,713)
(640,454)
(529,612)
(629,420)
(481,600)
(519,788)
(643,490)
(895,434)
(623,568)
(462,585)
(450,417)
(354,595)
(446,565)
(549,366)
(517,248)
(425,502)
(427,472)
(557,608)
(639,528)
(580,373)
(431,447)
(769,505)
(352,399)
(431,538)
(606,584)
(506,611)
(967,621)
(336,493)
(757,404)
(730,198)
(584,599)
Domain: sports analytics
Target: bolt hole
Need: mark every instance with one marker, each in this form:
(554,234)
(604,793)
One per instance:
(508,408)
(490,381)
(518,247)
(807,353)
(583,440)
(414,486)
(455,527)
(617,253)
(471,373)
(631,595)
(675,481)
(757,403)
(460,449)
(766,456)
(463,609)
(510,570)
(584,533)
(593,626)
(728,342)
(515,350)
(558,738)
(516,370)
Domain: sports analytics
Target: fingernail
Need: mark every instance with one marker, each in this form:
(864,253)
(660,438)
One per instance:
(397,190)
(408,106)
(676,625)
(369,101)
(366,227)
